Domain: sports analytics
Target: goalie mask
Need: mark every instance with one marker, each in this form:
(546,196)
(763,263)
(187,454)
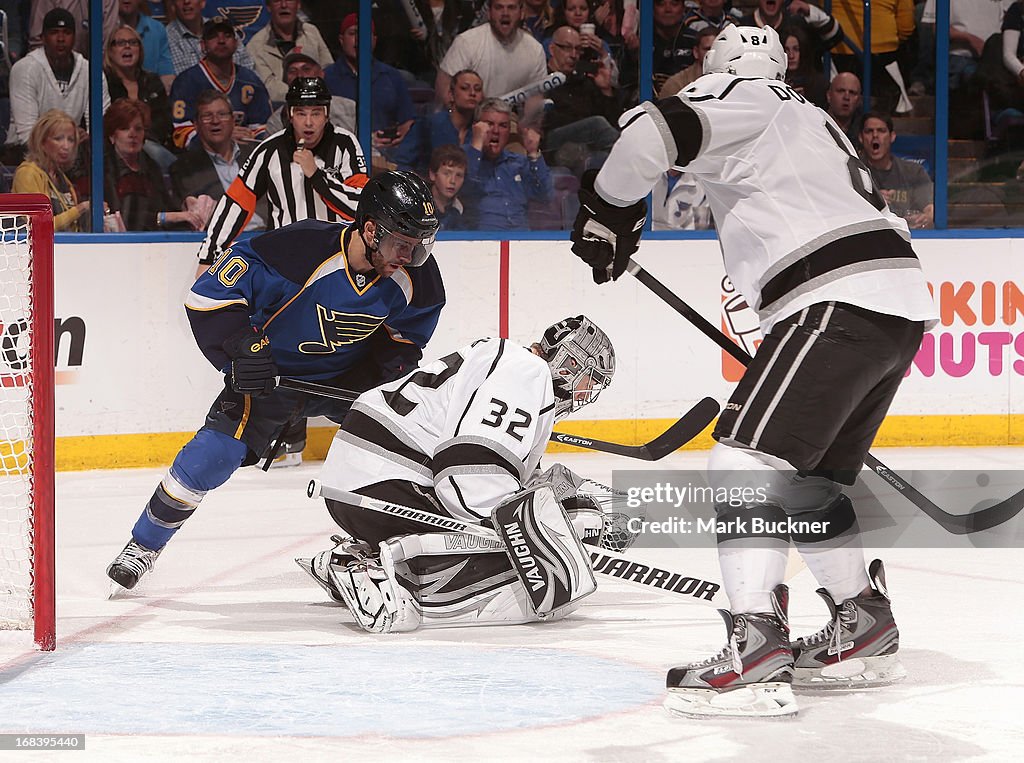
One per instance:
(401,206)
(582,362)
(747,51)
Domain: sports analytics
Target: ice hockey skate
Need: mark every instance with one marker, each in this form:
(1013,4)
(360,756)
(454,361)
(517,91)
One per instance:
(131,564)
(345,550)
(286,460)
(749,678)
(858,648)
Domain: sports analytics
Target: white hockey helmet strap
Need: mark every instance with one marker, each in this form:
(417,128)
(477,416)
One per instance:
(747,51)
(582,362)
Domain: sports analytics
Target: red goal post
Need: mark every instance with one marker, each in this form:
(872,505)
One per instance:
(26,417)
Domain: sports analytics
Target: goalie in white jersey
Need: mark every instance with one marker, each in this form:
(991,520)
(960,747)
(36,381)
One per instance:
(809,242)
(461,438)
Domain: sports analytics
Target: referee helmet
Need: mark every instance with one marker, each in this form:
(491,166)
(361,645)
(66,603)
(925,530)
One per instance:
(308,91)
(399,202)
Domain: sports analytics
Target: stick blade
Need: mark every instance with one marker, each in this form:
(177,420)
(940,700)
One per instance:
(689,426)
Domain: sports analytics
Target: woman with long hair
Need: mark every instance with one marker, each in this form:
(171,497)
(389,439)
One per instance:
(126,78)
(52,148)
(800,72)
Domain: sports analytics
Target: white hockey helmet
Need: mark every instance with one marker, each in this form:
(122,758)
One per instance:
(582,362)
(747,51)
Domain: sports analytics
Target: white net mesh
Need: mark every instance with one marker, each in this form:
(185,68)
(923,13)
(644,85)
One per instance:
(16,421)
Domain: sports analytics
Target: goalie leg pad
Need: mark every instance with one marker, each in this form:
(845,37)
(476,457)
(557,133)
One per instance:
(459,580)
(544,550)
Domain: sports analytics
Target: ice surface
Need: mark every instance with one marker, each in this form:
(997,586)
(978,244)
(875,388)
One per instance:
(227,650)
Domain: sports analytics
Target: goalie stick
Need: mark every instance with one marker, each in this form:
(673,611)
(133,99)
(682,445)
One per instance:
(955,524)
(605,561)
(691,424)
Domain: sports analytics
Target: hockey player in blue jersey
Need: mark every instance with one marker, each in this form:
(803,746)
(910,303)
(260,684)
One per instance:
(217,70)
(351,305)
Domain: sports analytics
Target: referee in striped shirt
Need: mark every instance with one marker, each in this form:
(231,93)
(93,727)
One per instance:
(310,169)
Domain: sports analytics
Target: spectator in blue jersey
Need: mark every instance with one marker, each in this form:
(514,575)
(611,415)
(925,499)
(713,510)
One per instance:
(217,71)
(156,52)
(447,173)
(502,182)
(185,33)
(349,305)
(452,126)
(393,112)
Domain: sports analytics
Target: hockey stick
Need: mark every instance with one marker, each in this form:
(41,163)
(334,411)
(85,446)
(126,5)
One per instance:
(692,423)
(955,524)
(606,562)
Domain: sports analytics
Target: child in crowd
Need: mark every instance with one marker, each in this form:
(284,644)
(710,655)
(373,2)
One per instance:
(446,174)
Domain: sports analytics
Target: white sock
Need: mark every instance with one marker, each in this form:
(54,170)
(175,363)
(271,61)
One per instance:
(750,574)
(839,570)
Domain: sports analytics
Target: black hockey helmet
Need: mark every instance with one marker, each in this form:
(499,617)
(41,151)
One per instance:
(308,91)
(399,202)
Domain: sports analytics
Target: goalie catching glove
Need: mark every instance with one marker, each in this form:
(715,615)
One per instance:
(605,236)
(253,371)
(600,514)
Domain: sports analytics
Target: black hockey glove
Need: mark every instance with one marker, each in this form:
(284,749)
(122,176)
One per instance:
(606,236)
(253,371)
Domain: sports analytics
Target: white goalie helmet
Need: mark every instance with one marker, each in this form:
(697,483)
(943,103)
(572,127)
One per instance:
(747,51)
(582,362)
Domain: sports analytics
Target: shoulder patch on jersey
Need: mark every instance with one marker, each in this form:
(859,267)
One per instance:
(297,250)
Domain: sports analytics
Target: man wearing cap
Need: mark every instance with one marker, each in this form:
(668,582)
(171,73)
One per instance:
(283,35)
(342,111)
(54,76)
(393,110)
(156,55)
(216,70)
(185,33)
(79,10)
(311,170)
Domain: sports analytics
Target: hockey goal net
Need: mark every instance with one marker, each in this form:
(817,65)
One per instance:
(26,416)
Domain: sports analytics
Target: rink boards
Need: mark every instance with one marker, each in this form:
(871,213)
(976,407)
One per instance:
(132,386)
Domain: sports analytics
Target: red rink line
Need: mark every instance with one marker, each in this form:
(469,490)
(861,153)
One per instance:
(22,660)
(503,265)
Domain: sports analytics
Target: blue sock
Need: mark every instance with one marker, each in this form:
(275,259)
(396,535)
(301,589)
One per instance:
(206,462)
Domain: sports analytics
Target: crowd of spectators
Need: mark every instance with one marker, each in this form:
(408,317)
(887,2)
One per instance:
(501,104)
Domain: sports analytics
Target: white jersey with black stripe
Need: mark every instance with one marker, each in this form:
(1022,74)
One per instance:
(798,217)
(472,425)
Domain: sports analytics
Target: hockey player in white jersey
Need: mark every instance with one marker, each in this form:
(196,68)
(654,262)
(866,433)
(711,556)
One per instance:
(842,301)
(462,437)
